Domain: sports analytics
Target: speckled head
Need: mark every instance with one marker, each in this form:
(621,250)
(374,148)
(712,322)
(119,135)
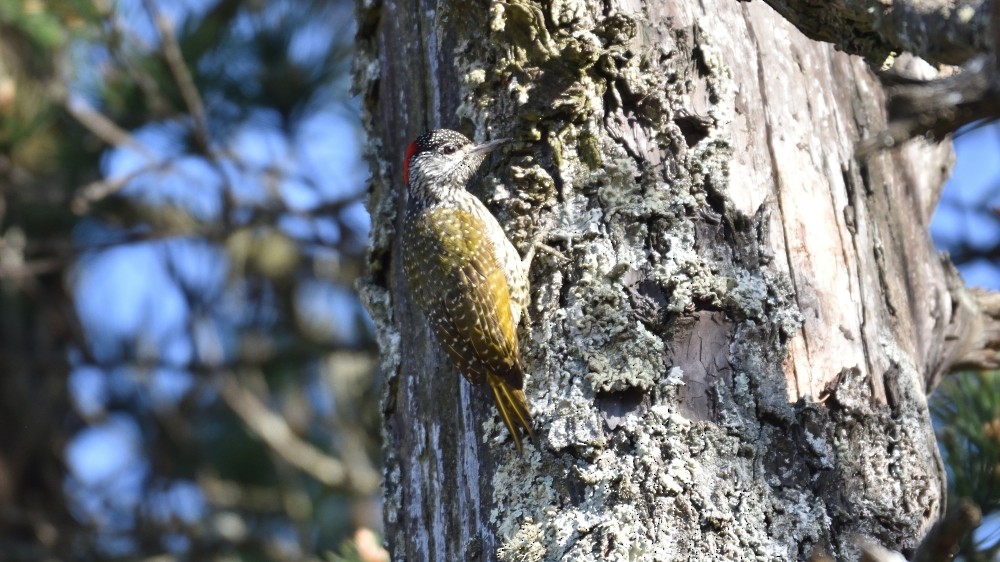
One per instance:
(443,160)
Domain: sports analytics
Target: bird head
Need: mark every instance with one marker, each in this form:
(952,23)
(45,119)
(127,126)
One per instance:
(444,160)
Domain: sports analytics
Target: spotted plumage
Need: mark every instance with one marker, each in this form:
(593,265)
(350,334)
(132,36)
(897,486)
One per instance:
(463,272)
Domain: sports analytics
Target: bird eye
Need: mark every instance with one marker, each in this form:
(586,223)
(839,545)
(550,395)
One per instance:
(449,149)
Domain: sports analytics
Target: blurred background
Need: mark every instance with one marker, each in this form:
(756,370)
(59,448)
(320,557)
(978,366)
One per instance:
(185,369)
(966,406)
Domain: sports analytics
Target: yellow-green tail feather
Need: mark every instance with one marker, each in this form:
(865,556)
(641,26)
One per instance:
(513,408)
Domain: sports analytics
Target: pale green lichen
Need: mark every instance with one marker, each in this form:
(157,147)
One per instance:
(526,545)
(618,367)
(700,476)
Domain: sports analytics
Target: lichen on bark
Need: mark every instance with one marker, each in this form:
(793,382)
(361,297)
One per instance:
(672,404)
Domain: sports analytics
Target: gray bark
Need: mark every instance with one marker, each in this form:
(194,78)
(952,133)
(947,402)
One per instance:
(941,31)
(733,359)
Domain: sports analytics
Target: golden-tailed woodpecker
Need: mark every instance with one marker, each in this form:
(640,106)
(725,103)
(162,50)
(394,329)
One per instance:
(464,274)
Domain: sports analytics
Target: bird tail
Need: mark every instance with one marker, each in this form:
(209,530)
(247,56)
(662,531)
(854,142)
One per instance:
(513,409)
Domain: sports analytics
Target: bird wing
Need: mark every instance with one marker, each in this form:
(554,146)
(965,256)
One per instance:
(473,309)
(464,294)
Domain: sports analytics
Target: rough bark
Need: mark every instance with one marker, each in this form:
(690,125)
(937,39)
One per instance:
(941,31)
(732,361)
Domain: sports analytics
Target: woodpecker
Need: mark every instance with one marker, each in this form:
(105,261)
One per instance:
(463,272)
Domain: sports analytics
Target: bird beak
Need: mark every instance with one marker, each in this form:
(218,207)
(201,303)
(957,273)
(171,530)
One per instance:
(487,147)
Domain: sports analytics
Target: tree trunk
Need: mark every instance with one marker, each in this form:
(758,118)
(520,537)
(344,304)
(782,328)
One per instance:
(731,357)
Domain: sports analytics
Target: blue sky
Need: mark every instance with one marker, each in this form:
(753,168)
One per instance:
(973,189)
